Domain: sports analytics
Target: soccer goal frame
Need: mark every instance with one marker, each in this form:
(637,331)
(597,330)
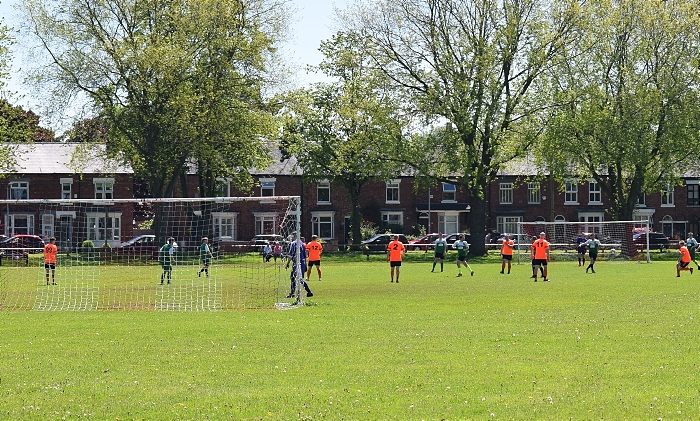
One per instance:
(616,237)
(111,254)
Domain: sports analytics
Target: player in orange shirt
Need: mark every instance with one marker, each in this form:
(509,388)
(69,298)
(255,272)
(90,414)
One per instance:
(540,256)
(50,253)
(394,255)
(683,259)
(314,249)
(506,252)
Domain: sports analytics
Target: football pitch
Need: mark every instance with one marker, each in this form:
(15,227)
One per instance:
(618,344)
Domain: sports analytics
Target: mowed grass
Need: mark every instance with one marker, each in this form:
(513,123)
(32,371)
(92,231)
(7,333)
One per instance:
(620,344)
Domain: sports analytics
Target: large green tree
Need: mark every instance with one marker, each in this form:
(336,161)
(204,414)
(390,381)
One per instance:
(477,65)
(179,83)
(628,100)
(345,131)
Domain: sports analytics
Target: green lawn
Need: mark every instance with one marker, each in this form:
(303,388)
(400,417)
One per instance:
(620,344)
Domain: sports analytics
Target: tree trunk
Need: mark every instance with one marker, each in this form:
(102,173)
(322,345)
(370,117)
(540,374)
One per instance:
(477,212)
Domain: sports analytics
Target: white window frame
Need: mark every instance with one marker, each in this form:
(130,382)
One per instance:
(508,224)
(393,186)
(590,221)
(533,193)
(449,193)
(668,197)
(48,225)
(642,200)
(66,188)
(263,220)
(104,188)
(505,193)
(225,225)
(103,227)
(325,187)
(320,219)
(594,193)
(15,189)
(448,222)
(571,192)
(267,187)
(11,224)
(388,216)
(695,191)
(223,185)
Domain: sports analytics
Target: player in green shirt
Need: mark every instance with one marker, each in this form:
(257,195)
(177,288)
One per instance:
(440,249)
(462,249)
(593,245)
(205,256)
(692,245)
(166,259)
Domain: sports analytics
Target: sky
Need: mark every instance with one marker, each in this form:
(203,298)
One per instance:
(312,23)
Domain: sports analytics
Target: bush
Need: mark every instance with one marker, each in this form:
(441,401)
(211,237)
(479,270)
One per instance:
(88,244)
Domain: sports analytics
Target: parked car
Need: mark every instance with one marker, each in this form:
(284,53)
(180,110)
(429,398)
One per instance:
(425,242)
(260,241)
(143,245)
(657,240)
(450,239)
(20,245)
(380,241)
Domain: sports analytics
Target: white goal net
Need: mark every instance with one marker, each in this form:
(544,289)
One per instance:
(619,239)
(111,254)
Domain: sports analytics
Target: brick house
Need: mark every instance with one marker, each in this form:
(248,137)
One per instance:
(50,171)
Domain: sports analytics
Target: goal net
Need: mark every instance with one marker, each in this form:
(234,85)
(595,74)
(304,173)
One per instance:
(617,238)
(115,254)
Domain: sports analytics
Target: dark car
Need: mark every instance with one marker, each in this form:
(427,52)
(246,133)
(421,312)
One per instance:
(657,240)
(426,242)
(143,245)
(450,239)
(260,241)
(20,245)
(380,241)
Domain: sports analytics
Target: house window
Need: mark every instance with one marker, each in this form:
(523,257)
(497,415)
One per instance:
(225,226)
(392,191)
(508,224)
(449,192)
(19,190)
(571,193)
(104,188)
(591,221)
(322,224)
(223,188)
(693,193)
(448,222)
(533,193)
(594,197)
(667,196)
(392,218)
(104,228)
(642,200)
(20,224)
(323,193)
(505,193)
(47,225)
(66,186)
(265,223)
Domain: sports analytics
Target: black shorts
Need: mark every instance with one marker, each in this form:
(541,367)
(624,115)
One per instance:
(506,256)
(48,266)
(395,263)
(462,258)
(683,264)
(593,254)
(205,262)
(440,256)
(539,262)
(581,250)
(314,262)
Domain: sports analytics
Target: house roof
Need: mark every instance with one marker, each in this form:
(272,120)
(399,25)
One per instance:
(64,158)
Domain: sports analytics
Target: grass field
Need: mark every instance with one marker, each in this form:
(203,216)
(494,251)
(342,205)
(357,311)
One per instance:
(619,344)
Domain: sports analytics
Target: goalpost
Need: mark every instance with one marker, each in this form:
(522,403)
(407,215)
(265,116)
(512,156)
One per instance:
(616,237)
(110,256)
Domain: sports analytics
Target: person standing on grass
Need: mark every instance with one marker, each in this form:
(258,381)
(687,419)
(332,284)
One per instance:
(297,256)
(394,255)
(314,249)
(462,249)
(540,256)
(50,254)
(683,259)
(581,249)
(507,247)
(205,256)
(593,245)
(166,257)
(692,245)
(277,250)
(440,249)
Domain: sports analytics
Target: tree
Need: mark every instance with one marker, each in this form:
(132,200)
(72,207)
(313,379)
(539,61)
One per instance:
(477,65)
(178,83)
(5,53)
(629,103)
(20,126)
(344,131)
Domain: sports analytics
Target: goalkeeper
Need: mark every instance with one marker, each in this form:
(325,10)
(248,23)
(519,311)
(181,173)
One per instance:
(166,259)
(205,256)
(297,256)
